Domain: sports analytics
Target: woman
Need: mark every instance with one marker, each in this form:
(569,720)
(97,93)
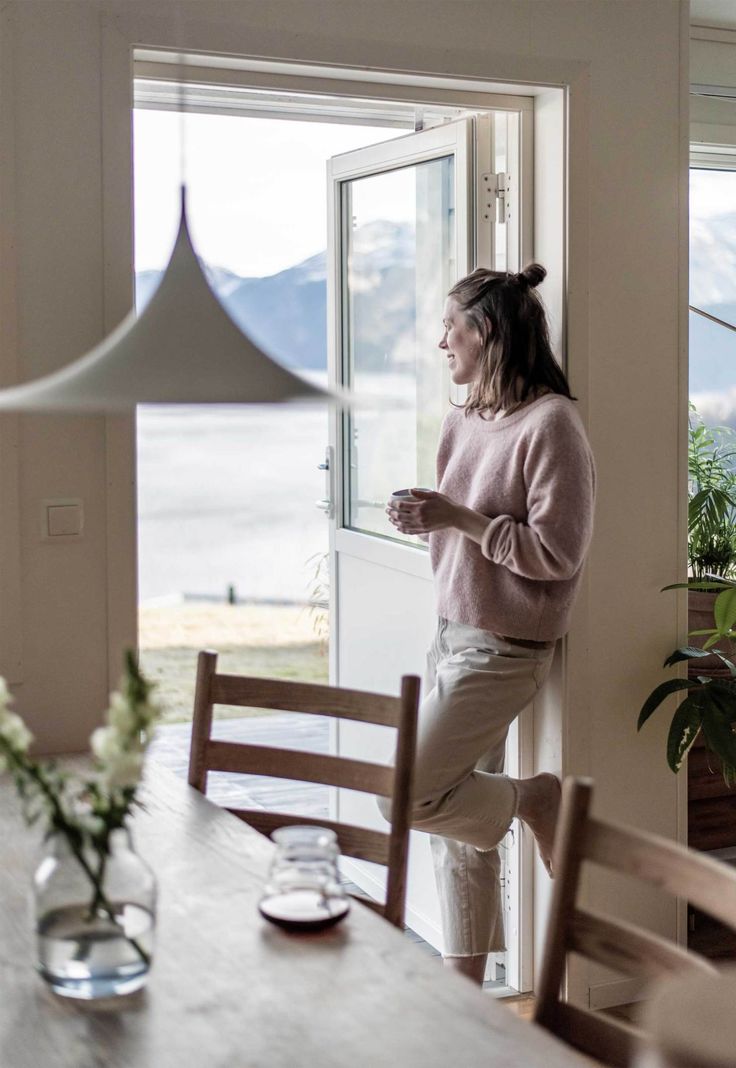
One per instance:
(508,531)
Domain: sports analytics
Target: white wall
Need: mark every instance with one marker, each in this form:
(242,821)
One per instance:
(65,247)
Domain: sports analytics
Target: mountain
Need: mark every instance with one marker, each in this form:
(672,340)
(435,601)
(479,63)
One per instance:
(286,313)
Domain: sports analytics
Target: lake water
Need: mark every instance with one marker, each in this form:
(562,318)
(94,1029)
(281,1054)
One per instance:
(227,497)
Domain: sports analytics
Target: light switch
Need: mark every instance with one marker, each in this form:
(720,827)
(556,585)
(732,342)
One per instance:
(62,519)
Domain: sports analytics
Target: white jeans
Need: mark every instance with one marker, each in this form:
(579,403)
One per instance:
(475,686)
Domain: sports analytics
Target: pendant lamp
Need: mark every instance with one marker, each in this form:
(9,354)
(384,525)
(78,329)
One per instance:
(182,349)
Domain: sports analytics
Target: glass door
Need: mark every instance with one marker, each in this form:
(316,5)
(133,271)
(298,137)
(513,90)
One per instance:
(409,217)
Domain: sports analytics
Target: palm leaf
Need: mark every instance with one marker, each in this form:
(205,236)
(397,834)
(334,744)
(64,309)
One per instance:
(709,507)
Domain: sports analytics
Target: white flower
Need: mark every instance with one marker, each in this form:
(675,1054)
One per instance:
(14,731)
(105,743)
(5,695)
(124,769)
(120,715)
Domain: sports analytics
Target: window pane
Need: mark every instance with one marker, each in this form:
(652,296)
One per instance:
(399,239)
(713,288)
(500,165)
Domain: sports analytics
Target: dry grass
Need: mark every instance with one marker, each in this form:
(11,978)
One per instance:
(266,640)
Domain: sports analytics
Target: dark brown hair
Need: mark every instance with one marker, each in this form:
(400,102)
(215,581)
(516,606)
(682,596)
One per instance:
(516,360)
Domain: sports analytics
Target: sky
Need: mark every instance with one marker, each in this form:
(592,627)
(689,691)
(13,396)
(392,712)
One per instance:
(256,188)
(712,193)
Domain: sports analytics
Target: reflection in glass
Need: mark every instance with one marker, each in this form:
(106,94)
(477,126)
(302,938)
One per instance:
(399,235)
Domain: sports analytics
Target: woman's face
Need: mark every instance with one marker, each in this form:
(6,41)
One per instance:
(462,343)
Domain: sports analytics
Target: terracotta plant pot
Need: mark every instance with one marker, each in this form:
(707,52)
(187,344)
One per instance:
(700,617)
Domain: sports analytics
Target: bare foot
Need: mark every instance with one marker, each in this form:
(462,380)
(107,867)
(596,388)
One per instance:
(539,807)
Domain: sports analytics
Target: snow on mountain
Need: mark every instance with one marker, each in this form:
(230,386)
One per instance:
(286,313)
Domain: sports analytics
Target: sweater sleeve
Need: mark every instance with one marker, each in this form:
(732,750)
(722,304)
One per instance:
(560,477)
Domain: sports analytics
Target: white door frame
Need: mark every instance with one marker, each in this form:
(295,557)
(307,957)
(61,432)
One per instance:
(380,87)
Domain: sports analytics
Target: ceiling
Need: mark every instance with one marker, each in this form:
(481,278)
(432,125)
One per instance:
(720,13)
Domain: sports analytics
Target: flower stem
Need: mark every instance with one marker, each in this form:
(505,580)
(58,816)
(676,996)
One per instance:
(99,899)
(72,835)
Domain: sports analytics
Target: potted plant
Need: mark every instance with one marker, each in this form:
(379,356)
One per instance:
(711,535)
(708,709)
(709,704)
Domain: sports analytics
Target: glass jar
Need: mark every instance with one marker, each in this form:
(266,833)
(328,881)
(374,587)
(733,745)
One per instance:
(303,892)
(95,918)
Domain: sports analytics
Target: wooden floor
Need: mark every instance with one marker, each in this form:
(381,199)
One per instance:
(521,1005)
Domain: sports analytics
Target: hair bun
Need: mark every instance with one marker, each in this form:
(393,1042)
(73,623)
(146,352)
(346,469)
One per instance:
(532,275)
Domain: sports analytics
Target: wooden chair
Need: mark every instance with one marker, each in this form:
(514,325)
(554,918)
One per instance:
(208,754)
(708,884)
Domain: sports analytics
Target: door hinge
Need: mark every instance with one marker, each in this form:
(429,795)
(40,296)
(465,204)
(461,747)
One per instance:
(495,199)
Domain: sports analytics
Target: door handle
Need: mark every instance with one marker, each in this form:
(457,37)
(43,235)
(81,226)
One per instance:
(327,503)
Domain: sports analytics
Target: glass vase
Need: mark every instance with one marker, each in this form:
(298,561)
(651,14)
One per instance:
(95,918)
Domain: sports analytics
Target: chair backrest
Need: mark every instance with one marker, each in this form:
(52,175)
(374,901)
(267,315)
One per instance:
(708,884)
(209,754)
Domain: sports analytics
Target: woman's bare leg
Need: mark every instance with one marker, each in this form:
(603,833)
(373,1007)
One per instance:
(539,808)
(472,967)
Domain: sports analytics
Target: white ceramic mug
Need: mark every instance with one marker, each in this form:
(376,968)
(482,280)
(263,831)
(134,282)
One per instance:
(404,495)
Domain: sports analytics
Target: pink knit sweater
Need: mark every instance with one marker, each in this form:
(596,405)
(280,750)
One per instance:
(533,473)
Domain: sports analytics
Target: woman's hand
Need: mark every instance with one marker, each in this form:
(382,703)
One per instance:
(430,511)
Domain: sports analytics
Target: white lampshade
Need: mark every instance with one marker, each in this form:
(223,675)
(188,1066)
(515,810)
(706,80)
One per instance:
(182,349)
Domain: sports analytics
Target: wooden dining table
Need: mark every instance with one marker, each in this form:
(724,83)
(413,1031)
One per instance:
(228,989)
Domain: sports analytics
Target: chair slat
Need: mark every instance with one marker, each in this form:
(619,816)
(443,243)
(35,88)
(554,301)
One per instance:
(359,842)
(630,949)
(567,860)
(201,720)
(401,801)
(306,697)
(708,884)
(296,764)
(612,1041)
